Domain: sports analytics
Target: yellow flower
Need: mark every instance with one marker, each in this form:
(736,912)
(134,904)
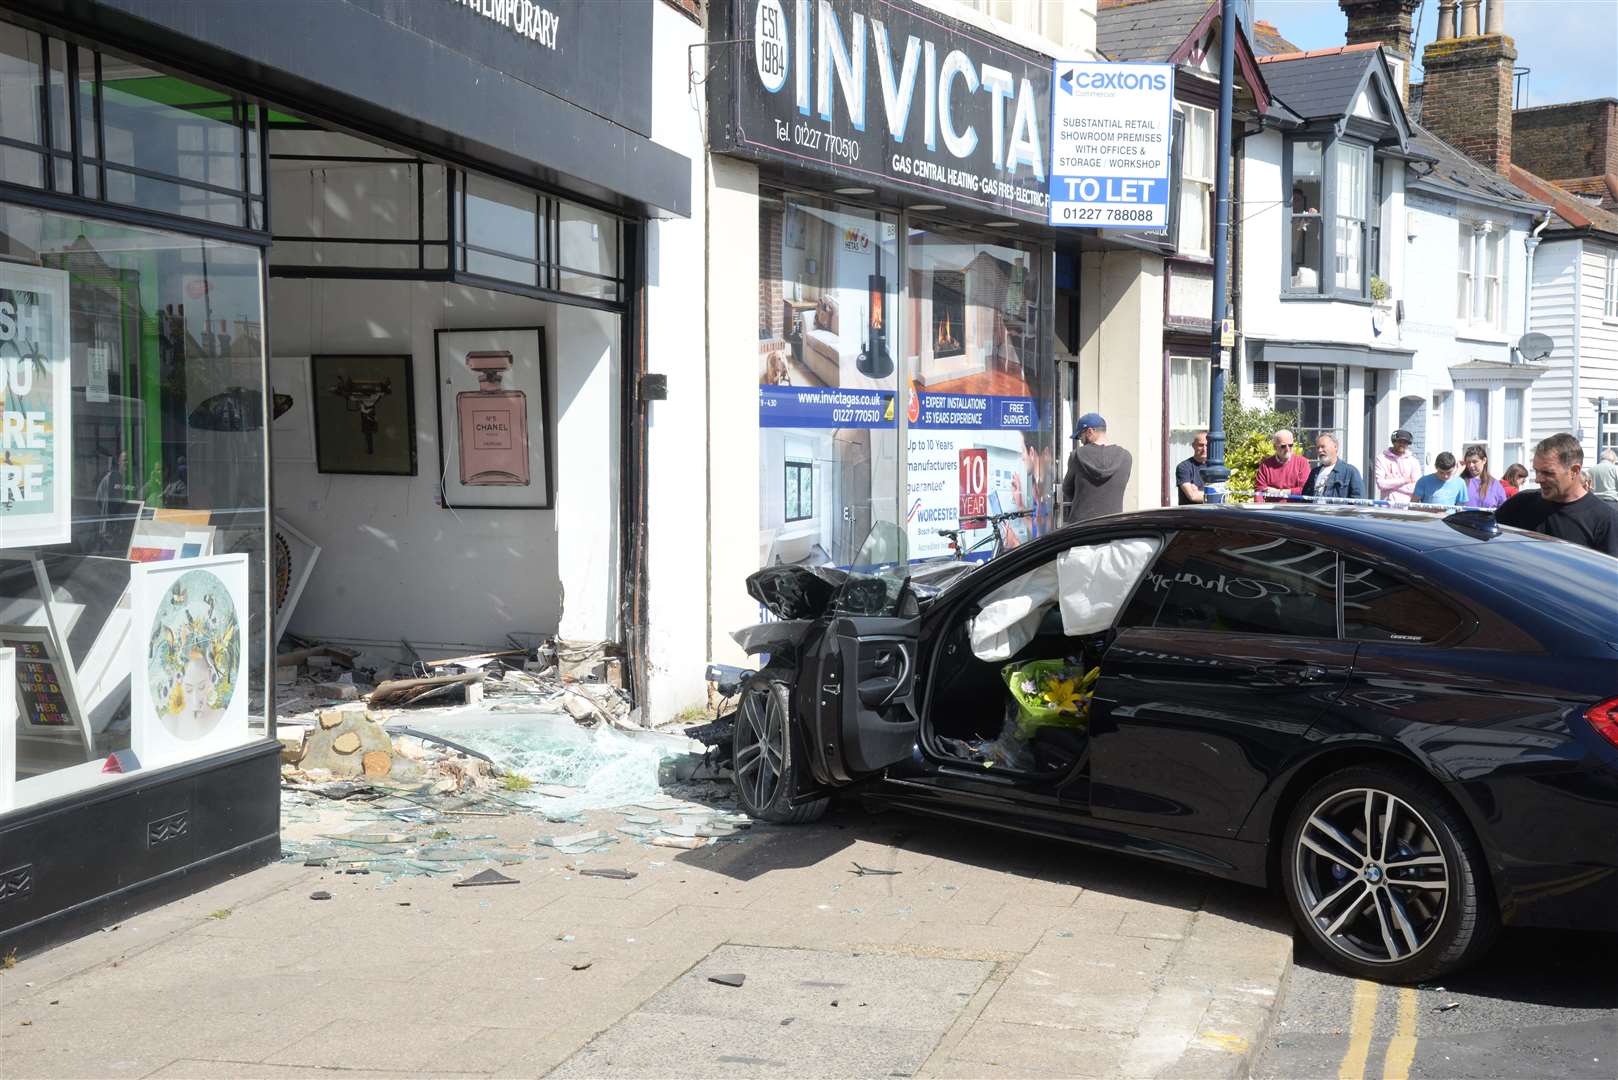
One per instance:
(1062,694)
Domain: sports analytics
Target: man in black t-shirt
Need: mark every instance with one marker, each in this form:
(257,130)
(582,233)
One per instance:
(1562,507)
(1188,473)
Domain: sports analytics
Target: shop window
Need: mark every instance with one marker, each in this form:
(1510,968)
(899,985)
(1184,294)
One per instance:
(1317,395)
(1479,263)
(800,491)
(1196,181)
(587,251)
(345,206)
(140,508)
(1188,404)
(972,313)
(1240,583)
(80,122)
(827,375)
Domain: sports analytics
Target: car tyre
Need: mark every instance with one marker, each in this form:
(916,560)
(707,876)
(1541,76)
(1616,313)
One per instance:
(764,760)
(1385,878)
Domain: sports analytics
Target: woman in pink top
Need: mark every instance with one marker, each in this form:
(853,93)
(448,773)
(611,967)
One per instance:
(1482,490)
(1282,473)
(1397,470)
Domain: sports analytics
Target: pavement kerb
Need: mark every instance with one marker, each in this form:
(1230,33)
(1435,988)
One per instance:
(1256,1045)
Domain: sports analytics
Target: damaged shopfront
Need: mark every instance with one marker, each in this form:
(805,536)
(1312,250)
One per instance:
(435,438)
(905,288)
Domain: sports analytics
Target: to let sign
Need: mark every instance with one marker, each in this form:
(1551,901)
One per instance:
(974,483)
(1111,130)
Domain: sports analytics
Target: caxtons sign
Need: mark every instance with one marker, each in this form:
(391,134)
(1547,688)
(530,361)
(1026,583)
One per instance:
(886,92)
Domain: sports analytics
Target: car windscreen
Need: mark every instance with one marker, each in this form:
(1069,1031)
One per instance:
(1572,585)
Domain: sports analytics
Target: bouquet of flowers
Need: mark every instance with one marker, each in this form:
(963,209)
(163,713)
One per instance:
(1050,693)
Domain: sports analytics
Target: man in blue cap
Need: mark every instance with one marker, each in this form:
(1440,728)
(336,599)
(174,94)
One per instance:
(1097,473)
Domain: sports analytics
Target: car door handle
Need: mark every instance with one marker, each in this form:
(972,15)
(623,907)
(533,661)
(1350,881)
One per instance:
(874,693)
(1293,672)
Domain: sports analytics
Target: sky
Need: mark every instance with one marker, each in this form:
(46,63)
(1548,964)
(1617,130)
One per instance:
(1571,46)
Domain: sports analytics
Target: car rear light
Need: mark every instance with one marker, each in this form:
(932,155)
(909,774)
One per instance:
(1604,718)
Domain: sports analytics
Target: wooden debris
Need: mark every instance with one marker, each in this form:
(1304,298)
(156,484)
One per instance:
(399,692)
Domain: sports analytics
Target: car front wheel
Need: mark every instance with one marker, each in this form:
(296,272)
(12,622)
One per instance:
(764,764)
(1384,877)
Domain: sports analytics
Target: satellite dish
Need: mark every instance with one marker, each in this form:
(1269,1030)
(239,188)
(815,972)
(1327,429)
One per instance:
(1532,347)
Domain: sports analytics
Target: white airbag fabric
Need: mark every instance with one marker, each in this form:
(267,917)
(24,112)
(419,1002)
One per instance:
(1090,582)
(1096,579)
(1010,614)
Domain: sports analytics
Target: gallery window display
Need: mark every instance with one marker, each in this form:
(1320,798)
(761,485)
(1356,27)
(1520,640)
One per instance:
(132,499)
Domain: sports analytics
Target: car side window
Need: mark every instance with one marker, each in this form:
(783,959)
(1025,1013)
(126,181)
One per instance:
(1241,583)
(1379,606)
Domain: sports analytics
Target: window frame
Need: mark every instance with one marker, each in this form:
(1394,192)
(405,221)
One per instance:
(1369,216)
(1479,238)
(1609,304)
(1305,433)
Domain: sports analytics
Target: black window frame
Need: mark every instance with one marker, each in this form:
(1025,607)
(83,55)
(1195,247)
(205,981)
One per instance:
(83,149)
(1326,282)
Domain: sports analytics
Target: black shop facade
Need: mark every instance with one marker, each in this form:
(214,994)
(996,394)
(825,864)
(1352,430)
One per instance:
(279,332)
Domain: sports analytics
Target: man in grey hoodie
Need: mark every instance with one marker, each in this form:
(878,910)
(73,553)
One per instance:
(1097,473)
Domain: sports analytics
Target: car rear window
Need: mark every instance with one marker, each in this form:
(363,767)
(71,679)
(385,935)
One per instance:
(1572,585)
(1379,606)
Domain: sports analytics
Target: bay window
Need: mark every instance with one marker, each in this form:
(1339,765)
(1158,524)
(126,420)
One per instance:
(1480,271)
(1333,211)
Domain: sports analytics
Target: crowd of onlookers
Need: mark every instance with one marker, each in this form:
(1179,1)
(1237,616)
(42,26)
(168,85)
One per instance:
(1570,501)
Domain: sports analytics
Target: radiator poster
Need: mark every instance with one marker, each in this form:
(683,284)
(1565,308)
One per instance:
(35,408)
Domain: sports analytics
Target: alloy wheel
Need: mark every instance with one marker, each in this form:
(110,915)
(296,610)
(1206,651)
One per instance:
(1371,876)
(760,754)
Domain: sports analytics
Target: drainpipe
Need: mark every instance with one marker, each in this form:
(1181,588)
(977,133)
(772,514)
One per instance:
(1578,323)
(1531,242)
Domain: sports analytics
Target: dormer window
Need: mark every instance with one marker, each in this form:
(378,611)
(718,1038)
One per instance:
(1331,209)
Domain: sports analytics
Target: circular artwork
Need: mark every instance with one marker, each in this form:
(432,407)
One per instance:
(283,570)
(194,654)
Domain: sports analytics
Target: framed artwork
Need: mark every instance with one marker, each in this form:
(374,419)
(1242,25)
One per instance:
(292,429)
(364,414)
(295,556)
(8,728)
(36,481)
(44,700)
(188,658)
(493,419)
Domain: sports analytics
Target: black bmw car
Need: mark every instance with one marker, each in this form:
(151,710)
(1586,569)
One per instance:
(1408,723)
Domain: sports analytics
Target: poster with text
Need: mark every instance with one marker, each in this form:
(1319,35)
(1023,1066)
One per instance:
(35,408)
(1111,130)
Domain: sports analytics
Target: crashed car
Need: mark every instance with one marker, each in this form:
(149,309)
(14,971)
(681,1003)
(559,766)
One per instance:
(1409,724)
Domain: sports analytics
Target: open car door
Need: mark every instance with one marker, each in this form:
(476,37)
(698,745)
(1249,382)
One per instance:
(864,715)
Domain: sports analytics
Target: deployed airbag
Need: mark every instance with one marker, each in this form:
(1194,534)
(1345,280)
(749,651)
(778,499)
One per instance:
(1096,579)
(1090,582)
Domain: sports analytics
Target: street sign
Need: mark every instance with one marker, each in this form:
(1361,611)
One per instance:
(1111,129)
(974,483)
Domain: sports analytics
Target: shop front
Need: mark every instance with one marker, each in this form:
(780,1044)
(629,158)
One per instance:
(434,438)
(904,347)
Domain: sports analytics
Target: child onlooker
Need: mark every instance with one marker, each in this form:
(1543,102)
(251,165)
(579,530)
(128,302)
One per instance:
(1441,487)
(1513,478)
(1482,490)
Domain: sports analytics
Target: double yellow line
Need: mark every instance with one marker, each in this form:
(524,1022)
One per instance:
(1362,1021)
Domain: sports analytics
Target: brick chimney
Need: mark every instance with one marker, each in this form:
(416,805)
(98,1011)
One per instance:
(1571,141)
(1386,23)
(1466,100)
